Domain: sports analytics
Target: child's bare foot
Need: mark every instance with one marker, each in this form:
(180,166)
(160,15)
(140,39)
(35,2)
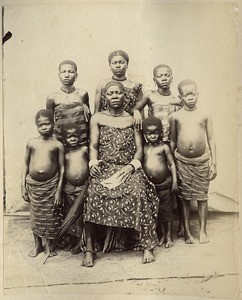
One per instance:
(36,251)
(161,241)
(189,239)
(148,256)
(181,231)
(88,260)
(76,250)
(169,243)
(203,238)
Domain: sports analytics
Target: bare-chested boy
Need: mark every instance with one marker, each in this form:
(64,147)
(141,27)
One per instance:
(160,168)
(191,131)
(42,179)
(69,104)
(76,174)
(161,104)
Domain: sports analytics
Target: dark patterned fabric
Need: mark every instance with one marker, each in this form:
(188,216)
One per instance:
(74,112)
(193,176)
(44,216)
(131,98)
(131,204)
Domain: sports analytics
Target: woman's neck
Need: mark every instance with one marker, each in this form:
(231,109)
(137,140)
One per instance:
(116,112)
(119,78)
(68,88)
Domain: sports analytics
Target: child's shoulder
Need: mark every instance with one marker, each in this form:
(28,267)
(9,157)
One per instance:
(81,92)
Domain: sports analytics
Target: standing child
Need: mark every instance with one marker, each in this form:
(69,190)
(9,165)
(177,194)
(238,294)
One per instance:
(160,168)
(70,105)
(161,104)
(118,63)
(76,174)
(42,182)
(191,131)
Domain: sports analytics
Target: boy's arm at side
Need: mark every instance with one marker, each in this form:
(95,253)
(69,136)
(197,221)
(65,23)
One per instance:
(173,133)
(86,99)
(25,172)
(138,108)
(61,157)
(50,103)
(212,147)
(172,166)
(97,100)
(94,162)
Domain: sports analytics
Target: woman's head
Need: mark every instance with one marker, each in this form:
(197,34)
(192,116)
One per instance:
(114,94)
(118,62)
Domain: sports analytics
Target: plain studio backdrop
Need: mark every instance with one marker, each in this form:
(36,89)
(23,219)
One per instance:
(198,41)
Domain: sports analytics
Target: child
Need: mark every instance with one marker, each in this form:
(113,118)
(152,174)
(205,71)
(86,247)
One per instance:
(160,168)
(118,63)
(161,104)
(42,181)
(70,105)
(191,128)
(76,174)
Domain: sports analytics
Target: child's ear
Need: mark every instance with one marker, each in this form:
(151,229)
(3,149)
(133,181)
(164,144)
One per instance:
(180,97)
(76,76)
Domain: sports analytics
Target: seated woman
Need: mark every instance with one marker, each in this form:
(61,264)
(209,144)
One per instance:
(119,194)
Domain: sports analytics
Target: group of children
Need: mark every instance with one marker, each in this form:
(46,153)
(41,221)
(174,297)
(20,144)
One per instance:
(179,152)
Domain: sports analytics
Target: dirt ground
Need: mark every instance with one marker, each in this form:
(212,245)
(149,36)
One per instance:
(208,271)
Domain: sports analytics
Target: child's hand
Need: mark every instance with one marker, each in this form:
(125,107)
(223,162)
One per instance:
(58,199)
(25,195)
(212,172)
(174,188)
(137,119)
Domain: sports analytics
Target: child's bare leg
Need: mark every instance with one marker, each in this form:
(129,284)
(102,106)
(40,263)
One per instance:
(38,247)
(203,216)
(88,260)
(47,248)
(169,239)
(148,256)
(186,212)
(181,229)
(77,249)
(161,233)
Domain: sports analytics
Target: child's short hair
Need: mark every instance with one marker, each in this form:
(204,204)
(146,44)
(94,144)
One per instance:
(152,121)
(47,113)
(161,66)
(68,126)
(111,83)
(118,52)
(68,62)
(185,82)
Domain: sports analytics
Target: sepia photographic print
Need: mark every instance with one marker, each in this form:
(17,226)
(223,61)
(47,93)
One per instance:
(120,126)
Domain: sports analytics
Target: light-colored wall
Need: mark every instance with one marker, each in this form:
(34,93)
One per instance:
(198,41)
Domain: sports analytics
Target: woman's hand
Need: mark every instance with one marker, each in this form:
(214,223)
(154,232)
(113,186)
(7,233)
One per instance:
(25,194)
(174,187)
(137,119)
(212,172)
(95,170)
(58,199)
(125,173)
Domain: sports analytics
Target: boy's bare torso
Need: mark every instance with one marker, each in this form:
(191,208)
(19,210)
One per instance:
(43,163)
(155,163)
(191,132)
(76,166)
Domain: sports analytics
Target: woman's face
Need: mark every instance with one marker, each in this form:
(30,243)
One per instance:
(118,65)
(115,96)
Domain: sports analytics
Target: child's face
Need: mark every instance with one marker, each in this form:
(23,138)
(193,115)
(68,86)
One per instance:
(114,96)
(152,134)
(163,77)
(44,126)
(118,65)
(67,74)
(72,137)
(189,95)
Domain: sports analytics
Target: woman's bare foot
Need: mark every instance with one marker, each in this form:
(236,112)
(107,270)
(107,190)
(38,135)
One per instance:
(88,260)
(36,251)
(169,243)
(76,250)
(189,239)
(181,231)
(148,256)
(203,238)
(161,241)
